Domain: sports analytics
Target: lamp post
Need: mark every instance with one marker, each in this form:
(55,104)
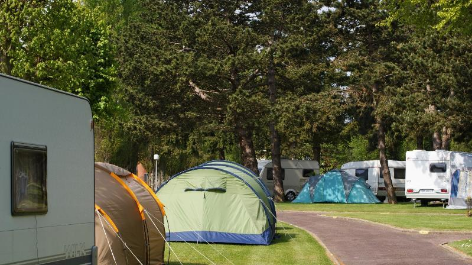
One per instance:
(155,180)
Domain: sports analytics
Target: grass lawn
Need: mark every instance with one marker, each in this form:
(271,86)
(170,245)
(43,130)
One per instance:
(402,215)
(416,221)
(291,246)
(403,207)
(463,245)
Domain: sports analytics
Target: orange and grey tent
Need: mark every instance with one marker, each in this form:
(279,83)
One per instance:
(129,218)
(107,236)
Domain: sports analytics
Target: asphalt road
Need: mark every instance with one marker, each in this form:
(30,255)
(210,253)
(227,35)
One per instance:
(355,242)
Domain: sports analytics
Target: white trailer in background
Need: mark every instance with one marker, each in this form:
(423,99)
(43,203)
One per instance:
(46,174)
(370,171)
(428,173)
(294,174)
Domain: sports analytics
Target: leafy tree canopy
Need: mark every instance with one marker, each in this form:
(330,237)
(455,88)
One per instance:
(445,15)
(58,43)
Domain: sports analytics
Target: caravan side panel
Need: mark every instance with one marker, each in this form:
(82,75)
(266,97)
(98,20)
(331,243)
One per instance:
(428,174)
(370,169)
(34,114)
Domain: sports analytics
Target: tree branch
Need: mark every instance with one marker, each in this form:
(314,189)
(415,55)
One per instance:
(201,93)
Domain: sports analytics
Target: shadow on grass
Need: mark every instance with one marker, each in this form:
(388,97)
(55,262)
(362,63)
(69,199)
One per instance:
(434,204)
(281,228)
(282,237)
(186,263)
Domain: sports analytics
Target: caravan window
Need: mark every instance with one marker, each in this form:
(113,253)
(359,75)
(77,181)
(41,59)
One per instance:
(437,167)
(399,173)
(270,174)
(308,173)
(29,172)
(362,173)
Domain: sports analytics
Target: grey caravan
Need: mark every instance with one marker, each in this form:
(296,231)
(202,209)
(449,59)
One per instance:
(370,171)
(47,176)
(294,174)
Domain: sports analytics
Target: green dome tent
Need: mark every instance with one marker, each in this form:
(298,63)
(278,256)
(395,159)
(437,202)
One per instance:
(336,186)
(219,202)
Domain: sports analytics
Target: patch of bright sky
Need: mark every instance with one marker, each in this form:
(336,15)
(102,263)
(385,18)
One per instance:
(325,9)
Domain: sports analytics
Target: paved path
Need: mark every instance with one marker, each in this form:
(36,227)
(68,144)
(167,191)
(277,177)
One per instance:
(358,242)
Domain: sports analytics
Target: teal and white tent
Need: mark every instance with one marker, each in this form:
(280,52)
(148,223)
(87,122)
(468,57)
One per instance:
(336,186)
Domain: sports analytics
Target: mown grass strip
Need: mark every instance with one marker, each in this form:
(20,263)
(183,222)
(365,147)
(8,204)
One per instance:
(434,222)
(404,207)
(291,246)
(464,246)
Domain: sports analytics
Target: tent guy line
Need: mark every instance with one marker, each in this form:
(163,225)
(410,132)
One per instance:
(125,199)
(124,243)
(285,230)
(228,194)
(106,236)
(150,218)
(216,250)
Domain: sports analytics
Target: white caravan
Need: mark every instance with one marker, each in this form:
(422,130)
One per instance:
(370,171)
(428,173)
(294,174)
(47,176)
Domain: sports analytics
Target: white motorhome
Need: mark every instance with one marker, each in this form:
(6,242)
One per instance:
(47,176)
(294,174)
(428,173)
(371,173)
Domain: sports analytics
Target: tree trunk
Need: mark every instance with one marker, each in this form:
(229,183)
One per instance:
(433,110)
(446,138)
(316,147)
(279,195)
(437,143)
(248,154)
(317,153)
(221,153)
(5,60)
(419,142)
(392,199)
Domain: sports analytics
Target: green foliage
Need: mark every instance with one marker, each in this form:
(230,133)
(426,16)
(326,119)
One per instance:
(435,92)
(310,119)
(60,44)
(188,69)
(442,15)
(192,74)
(359,147)
(404,146)
(334,156)
(461,146)
(298,47)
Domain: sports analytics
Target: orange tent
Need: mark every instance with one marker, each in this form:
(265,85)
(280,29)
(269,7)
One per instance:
(129,218)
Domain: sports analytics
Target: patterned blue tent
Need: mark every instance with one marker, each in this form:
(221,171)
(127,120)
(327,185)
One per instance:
(336,186)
